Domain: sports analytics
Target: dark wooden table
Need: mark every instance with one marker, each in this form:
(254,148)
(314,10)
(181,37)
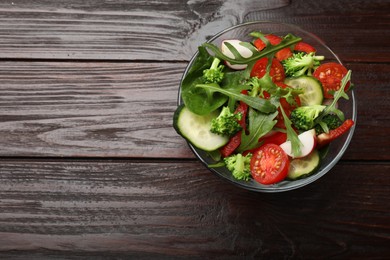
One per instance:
(90,166)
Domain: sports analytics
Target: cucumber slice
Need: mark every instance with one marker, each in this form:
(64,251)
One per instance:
(303,167)
(313,93)
(196,129)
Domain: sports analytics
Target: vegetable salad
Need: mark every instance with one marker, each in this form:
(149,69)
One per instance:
(264,108)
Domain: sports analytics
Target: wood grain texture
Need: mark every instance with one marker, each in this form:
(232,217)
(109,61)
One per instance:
(91,168)
(342,25)
(89,109)
(124,30)
(182,209)
(97,109)
(151,30)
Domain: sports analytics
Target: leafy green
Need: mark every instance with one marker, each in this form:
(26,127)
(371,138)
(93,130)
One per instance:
(236,53)
(260,104)
(197,100)
(265,84)
(236,79)
(287,41)
(259,124)
(200,101)
(331,109)
(292,136)
(202,61)
(202,98)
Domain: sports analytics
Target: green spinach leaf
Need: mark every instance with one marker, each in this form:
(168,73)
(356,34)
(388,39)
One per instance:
(197,100)
(259,125)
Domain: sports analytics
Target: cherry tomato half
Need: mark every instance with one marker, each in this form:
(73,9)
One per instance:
(283,54)
(273,39)
(274,138)
(305,47)
(276,72)
(269,164)
(330,75)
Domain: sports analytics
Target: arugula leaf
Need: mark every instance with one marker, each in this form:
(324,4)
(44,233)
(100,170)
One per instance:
(259,124)
(236,79)
(259,85)
(260,104)
(292,136)
(287,41)
(337,95)
(236,53)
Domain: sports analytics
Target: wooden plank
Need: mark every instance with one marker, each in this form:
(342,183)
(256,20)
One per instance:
(147,208)
(341,25)
(124,30)
(84,109)
(125,110)
(136,31)
(371,92)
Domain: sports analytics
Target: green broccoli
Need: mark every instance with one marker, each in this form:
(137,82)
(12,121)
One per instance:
(328,122)
(301,63)
(239,165)
(226,123)
(303,117)
(214,74)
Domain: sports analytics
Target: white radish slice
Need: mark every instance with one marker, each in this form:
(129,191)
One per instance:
(244,52)
(327,102)
(308,140)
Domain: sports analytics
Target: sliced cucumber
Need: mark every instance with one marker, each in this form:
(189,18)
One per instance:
(303,167)
(196,129)
(313,93)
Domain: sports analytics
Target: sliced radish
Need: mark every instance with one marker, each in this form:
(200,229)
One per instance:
(244,52)
(328,101)
(308,140)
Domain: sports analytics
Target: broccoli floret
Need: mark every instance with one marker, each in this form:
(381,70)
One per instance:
(239,165)
(303,117)
(328,122)
(214,74)
(226,123)
(301,63)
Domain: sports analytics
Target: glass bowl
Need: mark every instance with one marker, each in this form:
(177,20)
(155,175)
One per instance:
(336,148)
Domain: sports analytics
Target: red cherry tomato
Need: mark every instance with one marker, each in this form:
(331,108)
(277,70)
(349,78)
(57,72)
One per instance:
(284,54)
(269,164)
(276,72)
(273,39)
(330,75)
(305,47)
(275,138)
